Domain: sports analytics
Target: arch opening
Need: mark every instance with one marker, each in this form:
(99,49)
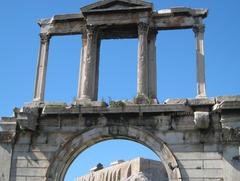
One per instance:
(77,144)
(118,157)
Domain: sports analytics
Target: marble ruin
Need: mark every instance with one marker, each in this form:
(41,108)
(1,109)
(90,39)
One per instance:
(197,139)
(138,169)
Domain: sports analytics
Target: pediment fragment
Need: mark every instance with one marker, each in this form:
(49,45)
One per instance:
(116,5)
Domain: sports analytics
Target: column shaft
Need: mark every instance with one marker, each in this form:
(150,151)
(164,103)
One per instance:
(152,71)
(201,83)
(97,69)
(89,66)
(41,68)
(83,51)
(142,79)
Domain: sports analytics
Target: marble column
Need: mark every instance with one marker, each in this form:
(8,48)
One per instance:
(83,50)
(142,77)
(152,70)
(95,97)
(201,83)
(88,81)
(41,68)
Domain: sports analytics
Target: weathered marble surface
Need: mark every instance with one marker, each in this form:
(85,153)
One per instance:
(196,139)
(40,141)
(114,19)
(138,169)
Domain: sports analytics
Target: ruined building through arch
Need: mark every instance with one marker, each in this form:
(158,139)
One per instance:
(197,139)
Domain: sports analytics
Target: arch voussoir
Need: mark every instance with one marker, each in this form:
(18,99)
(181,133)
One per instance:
(89,137)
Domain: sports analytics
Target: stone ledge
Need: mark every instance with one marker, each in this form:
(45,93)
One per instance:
(220,99)
(227,105)
(7,124)
(183,10)
(120,109)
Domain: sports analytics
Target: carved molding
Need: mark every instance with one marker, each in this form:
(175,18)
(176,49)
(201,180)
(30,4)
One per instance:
(143,28)
(44,38)
(27,118)
(91,30)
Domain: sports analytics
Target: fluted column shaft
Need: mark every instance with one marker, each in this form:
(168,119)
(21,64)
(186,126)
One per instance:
(201,83)
(142,78)
(41,68)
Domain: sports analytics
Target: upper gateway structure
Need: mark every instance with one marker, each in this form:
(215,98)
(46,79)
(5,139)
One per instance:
(197,139)
(111,19)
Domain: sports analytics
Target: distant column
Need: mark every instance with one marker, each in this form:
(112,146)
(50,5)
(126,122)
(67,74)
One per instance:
(41,68)
(201,83)
(142,79)
(89,66)
(152,71)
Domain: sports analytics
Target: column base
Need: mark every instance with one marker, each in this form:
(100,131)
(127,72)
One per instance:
(201,97)
(35,103)
(142,99)
(82,101)
(88,102)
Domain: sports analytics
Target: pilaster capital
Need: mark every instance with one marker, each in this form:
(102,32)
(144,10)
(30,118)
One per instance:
(198,28)
(44,38)
(142,28)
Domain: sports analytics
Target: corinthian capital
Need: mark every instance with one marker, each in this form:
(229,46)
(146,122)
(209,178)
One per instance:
(91,30)
(44,37)
(199,28)
(143,28)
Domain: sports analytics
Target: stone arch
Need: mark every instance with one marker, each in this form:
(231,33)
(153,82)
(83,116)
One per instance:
(90,136)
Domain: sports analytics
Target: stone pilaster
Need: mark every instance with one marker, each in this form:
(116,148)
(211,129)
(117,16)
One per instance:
(41,68)
(142,79)
(89,66)
(201,83)
(152,70)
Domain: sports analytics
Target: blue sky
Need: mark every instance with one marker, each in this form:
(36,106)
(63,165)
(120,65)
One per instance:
(175,55)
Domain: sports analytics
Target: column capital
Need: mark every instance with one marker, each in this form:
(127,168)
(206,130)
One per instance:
(198,28)
(90,29)
(44,37)
(142,28)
